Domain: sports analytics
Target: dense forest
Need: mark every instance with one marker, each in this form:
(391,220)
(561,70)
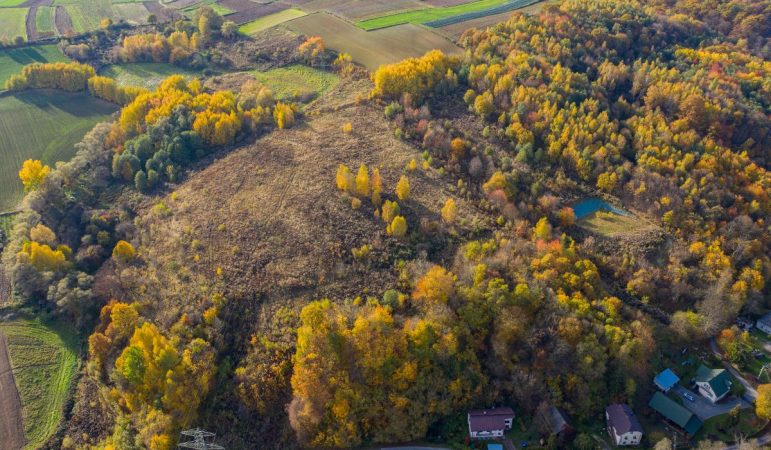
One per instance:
(496,297)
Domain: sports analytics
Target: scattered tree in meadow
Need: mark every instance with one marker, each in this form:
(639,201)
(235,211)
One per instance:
(123,251)
(283,115)
(377,186)
(403,188)
(362,181)
(449,211)
(397,227)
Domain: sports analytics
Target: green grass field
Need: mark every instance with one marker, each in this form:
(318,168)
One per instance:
(44,20)
(12,61)
(13,23)
(42,125)
(10,3)
(87,14)
(44,361)
(263,23)
(427,14)
(147,75)
(293,81)
(610,224)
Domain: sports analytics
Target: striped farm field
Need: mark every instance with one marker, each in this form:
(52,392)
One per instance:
(44,20)
(359,10)
(428,14)
(12,60)
(373,48)
(87,14)
(45,125)
(13,22)
(10,3)
(263,23)
(43,360)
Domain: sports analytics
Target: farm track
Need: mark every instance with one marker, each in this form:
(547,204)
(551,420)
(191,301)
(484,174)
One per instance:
(11,423)
(36,3)
(62,21)
(32,34)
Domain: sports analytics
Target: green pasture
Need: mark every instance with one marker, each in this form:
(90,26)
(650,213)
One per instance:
(426,15)
(292,82)
(13,23)
(263,23)
(44,20)
(148,75)
(13,60)
(45,125)
(44,362)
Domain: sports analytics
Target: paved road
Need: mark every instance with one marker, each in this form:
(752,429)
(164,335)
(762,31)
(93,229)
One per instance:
(751,393)
(11,426)
(704,409)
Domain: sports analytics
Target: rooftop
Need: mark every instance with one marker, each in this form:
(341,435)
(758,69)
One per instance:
(622,419)
(675,412)
(718,379)
(489,419)
(766,319)
(666,379)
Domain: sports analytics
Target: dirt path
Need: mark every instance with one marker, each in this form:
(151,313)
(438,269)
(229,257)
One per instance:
(31,27)
(63,21)
(11,425)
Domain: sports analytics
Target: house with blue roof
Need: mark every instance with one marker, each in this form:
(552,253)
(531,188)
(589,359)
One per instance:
(494,447)
(666,380)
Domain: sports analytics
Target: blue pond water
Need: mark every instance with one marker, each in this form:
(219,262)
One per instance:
(590,205)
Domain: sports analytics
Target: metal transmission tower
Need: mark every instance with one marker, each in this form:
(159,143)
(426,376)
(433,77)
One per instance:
(199,440)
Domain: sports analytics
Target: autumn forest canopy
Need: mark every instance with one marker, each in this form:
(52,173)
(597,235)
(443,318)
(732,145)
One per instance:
(495,295)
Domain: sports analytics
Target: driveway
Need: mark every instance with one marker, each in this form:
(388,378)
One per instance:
(703,408)
(751,395)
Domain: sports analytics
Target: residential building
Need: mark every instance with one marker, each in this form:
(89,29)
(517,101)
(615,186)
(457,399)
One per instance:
(623,426)
(764,323)
(666,380)
(489,423)
(675,413)
(714,384)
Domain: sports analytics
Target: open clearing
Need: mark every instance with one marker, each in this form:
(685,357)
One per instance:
(297,81)
(263,23)
(86,14)
(428,14)
(12,61)
(148,75)
(13,22)
(11,422)
(43,361)
(610,224)
(371,49)
(44,20)
(43,125)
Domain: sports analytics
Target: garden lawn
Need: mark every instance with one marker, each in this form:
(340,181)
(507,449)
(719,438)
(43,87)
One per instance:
(45,125)
(13,22)
(12,61)
(44,360)
(292,82)
(428,14)
(263,23)
(148,75)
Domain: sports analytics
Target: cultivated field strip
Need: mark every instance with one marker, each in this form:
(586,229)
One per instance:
(11,423)
(372,48)
(510,6)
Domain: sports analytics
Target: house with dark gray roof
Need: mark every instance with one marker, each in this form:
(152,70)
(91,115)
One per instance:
(714,384)
(764,323)
(675,413)
(623,426)
(489,423)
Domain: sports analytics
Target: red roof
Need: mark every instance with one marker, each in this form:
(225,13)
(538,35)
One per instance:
(489,419)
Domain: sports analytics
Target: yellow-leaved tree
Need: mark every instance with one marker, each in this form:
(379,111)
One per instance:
(449,211)
(362,181)
(763,402)
(32,174)
(403,188)
(398,227)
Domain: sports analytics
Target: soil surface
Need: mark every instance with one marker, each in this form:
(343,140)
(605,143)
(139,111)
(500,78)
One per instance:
(63,21)
(11,425)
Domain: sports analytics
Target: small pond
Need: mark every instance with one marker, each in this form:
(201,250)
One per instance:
(591,205)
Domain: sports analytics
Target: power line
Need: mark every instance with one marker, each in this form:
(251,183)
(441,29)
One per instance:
(199,440)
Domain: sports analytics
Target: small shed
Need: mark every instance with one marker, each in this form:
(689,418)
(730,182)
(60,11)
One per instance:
(666,380)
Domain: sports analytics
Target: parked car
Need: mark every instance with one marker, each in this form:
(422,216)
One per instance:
(688,396)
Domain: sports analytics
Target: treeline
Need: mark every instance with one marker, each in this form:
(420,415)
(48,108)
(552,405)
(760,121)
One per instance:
(72,77)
